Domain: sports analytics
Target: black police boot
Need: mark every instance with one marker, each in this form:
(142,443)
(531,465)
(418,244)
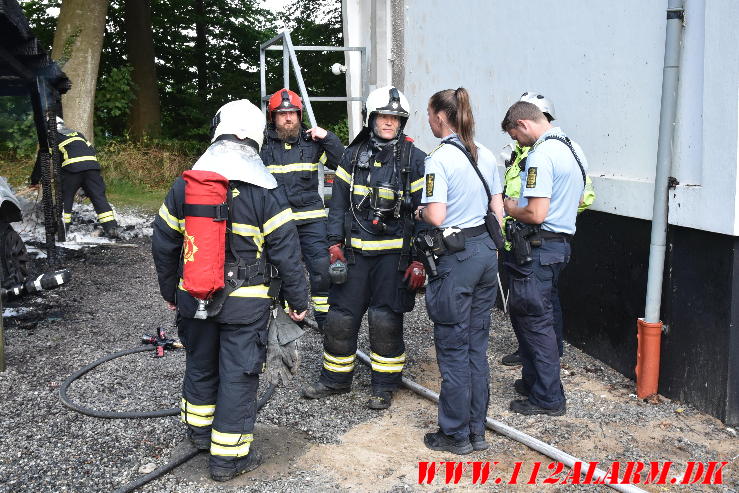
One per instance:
(319,391)
(440,441)
(524,406)
(513,359)
(521,388)
(478,441)
(199,441)
(241,465)
(380,399)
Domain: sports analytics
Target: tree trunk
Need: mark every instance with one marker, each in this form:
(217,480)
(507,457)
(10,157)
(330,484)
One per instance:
(78,40)
(145,117)
(200,49)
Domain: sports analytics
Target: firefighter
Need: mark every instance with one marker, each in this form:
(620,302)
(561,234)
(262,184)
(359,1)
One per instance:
(80,169)
(292,153)
(226,351)
(370,227)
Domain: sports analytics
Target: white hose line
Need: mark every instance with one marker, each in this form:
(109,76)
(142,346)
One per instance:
(529,441)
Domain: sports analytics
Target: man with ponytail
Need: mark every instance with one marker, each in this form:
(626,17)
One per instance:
(461,187)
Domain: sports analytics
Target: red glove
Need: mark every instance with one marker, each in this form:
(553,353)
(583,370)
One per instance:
(415,275)
(336,253)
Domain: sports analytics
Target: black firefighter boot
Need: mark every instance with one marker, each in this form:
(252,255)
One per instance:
(111,229)
(241,465)
(318,391)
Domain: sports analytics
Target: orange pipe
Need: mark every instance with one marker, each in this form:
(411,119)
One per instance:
(649,336)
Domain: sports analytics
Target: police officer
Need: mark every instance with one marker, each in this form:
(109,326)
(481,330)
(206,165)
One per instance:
(370,226)
(460,298)
(554,181)
(292,154)
(80,169)
(226,351)
(512,188)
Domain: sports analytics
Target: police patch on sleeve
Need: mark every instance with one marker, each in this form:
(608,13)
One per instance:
(531,178)
(430,185)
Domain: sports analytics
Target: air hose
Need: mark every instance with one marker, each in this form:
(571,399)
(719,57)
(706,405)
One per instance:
(156,473)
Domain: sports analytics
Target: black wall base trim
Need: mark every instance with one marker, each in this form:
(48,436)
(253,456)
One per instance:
(603,292)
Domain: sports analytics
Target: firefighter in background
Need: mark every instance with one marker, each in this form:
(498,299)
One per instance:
(292,154)
(80,169)
(512,189)
(370,227)
(226,351)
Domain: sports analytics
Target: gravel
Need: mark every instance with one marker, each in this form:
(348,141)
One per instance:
(113,299)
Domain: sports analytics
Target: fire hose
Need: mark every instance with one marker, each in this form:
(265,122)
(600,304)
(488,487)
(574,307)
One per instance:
(161,343)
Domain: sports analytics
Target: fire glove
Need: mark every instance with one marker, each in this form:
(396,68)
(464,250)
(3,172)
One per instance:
(283,359)
(415,275)
(336,253)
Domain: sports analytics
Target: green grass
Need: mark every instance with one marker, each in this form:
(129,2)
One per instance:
(136,175)
(125,194)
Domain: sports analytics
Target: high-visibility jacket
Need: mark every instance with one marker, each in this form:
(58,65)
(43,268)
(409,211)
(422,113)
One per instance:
(262,225)
(349,192)
(295,166)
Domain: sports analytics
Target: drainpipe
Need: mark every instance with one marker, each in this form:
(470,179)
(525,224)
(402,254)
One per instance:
(649,328)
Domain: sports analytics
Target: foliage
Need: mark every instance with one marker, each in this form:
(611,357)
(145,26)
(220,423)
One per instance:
(234,29)
(341,129)
(17,128)
(113,98)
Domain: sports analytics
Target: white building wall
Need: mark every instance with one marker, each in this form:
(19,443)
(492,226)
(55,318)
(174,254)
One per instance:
(601,64)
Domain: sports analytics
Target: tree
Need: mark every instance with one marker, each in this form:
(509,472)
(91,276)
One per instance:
(145,116)
(78,41)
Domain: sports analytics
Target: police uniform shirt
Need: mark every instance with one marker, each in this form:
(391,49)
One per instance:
(450,179)
(552,172)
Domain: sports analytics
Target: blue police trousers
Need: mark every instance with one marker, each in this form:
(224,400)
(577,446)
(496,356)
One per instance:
(459,301)
(533,288)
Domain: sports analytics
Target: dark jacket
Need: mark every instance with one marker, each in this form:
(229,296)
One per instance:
(384,167)
(295,166)
(77,155)
(262,225)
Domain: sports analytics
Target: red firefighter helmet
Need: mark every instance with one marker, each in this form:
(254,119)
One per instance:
(285,100)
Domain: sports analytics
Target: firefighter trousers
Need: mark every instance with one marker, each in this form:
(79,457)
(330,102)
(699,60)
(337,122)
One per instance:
(91,181)
(219,392)
(314,248)
(373,286)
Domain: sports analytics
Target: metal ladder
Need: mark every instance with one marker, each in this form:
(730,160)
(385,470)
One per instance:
(289,58)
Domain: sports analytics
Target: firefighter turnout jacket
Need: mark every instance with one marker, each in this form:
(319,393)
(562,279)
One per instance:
(262,231)
(78,154)
(362,168)
(295,166)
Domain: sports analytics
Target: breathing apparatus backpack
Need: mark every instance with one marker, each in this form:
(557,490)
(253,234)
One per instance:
(204,249)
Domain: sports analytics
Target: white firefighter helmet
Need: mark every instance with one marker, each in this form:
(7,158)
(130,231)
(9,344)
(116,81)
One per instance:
(387,100)
(240,118)
(541,102)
